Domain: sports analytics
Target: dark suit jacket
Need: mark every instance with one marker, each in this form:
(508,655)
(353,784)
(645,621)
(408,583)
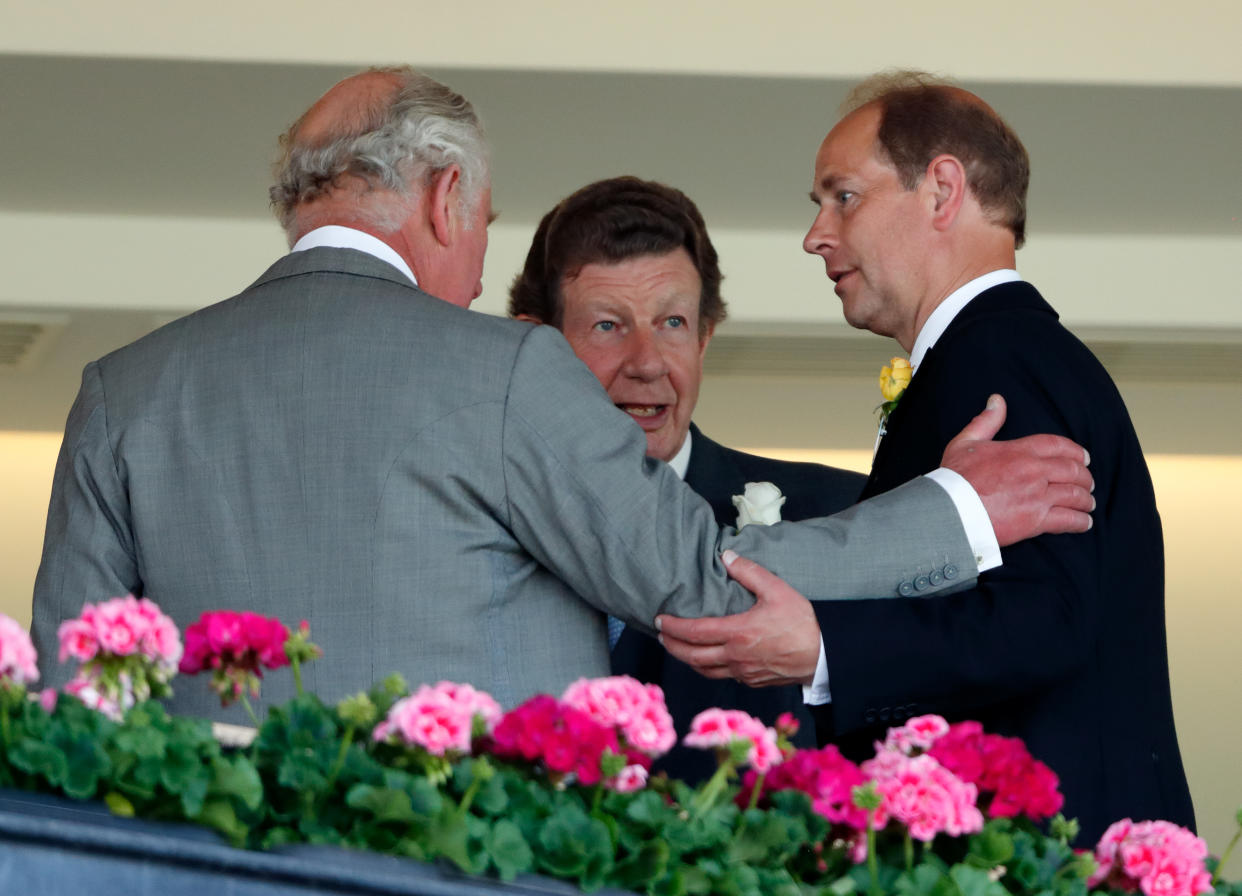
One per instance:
(718,473)
(1064,645)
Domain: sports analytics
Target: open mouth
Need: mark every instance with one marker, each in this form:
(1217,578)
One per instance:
(645,414)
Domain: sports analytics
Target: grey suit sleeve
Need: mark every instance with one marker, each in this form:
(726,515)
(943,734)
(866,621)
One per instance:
(634,540)
(88,547)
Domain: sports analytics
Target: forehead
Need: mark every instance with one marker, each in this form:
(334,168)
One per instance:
(669,276)
(850,145)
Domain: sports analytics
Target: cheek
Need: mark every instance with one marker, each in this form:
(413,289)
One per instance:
(604,365)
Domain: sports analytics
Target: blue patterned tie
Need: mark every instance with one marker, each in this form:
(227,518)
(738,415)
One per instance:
(615,628)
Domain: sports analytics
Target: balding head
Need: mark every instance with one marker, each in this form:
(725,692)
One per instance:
(367,148)
(922,117)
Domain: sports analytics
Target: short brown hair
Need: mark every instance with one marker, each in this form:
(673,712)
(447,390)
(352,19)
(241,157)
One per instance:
(607,222)
(922,117)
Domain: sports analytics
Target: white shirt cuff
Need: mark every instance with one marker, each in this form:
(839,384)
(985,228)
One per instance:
(816,693)
(975,520)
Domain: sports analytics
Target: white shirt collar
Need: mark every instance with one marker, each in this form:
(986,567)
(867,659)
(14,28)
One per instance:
(944,313)
(680,462)
(334,236)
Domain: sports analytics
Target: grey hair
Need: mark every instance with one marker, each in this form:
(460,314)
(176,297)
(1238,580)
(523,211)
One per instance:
(395,147)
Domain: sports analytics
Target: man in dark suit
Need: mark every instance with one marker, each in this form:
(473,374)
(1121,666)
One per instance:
(921,192)
(625,269)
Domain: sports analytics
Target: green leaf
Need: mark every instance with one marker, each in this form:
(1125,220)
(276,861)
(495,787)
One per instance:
(990,847)
(649,863)
(41,759)
(119,805)
(508,850)
(573,845)
(87,764)
(975,882)
(923,880)
(219,814)
(448,836)
(238,778)
(384,803)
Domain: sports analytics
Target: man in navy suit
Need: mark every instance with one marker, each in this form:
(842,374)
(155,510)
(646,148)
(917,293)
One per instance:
(921,195)
(625,269)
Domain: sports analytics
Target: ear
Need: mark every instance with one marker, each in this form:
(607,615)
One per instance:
(946,176)
(443,195)
(529,318)
(706,338)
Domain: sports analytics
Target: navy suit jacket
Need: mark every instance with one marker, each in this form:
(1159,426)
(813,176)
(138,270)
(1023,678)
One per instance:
(1064,645)
(718,473)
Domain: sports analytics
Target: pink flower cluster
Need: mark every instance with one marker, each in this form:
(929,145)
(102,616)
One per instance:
(1157,857)
(637,709)
(1002,767)
(923,795)
(824,775)
(128,650)
(17,653)
(230,638)
(717,728)
(122,626)
(565,740)
(439,718)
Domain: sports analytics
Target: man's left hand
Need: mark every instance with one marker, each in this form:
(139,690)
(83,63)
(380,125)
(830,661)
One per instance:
(774,642)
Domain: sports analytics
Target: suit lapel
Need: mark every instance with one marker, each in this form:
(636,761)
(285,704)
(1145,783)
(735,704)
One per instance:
(901,455)
(714,475)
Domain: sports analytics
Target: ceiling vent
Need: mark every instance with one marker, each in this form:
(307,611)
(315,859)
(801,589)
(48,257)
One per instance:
(25,338)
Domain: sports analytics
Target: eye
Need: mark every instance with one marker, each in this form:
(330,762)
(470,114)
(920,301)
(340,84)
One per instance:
(676,321)
(844,196)
(605,326)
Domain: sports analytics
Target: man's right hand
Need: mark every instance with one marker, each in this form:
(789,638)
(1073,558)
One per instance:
(1036,485)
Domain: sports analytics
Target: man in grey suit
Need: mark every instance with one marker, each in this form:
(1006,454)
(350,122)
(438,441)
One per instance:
(440,493)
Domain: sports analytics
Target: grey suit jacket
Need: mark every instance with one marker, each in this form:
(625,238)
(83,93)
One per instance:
(439,492)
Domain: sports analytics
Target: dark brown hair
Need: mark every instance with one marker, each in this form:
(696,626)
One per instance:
(922,118)
(607,222)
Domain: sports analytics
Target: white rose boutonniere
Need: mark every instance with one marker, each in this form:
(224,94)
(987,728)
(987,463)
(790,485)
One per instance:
(759,504)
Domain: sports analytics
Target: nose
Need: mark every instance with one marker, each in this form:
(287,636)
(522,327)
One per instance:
(643,358)
(822,237)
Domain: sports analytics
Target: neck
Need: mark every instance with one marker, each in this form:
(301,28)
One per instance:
(950,278)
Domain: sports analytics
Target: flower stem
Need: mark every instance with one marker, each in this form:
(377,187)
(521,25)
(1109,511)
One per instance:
(340,756)
(757,791)
(707,797)
(296,665)
(1224,857)
(909,850)
(245,701)
(873,863)
(468,797)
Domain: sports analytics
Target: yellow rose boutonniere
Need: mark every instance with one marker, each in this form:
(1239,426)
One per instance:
(894,377)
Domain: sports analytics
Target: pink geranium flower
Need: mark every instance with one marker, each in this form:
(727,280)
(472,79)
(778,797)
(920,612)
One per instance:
(17,654)
(824,775)
(566,741)
(917,735)
(1011,781)
(235,647)
(440,718)
(924,796)
(637,709)
(1155,857)
(128,652)
(718,728)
